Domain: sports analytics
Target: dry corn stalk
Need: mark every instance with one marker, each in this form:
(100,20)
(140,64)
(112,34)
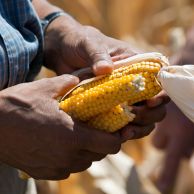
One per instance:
(104,102)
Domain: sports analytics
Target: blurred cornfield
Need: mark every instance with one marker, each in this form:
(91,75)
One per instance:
(151,25)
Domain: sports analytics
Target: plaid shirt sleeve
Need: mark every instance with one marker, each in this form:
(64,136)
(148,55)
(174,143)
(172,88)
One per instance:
(21,42)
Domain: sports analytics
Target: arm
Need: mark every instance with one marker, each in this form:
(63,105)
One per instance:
(70,46)
(40,139)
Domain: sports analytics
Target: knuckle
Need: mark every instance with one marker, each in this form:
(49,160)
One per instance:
(69,77)
(99,55)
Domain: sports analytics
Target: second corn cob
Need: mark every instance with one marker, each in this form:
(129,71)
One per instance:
(114,119)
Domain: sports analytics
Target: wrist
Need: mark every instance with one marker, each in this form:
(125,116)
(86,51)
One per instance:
(63,23)
(59,36)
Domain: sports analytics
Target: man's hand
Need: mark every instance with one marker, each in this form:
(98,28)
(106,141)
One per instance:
(42,140)
(174,134)
(45,142)
(70,46)
(89,47)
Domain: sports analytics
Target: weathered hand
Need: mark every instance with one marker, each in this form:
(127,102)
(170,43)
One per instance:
(70,48)
(175,135)
(42,140)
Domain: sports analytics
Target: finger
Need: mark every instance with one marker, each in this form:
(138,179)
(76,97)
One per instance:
(49,174)
(96,141)
(135,132)
(91,156)
(157,100)
(147,116)
(101,60)
(121,57)
(80,166)
(59,85)
(171,166)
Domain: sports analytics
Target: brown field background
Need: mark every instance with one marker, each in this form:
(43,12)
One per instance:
(151,25)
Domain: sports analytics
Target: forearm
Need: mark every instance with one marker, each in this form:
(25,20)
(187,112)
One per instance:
(59,29)
(44,8)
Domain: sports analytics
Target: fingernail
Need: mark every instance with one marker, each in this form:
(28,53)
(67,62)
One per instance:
(103,67)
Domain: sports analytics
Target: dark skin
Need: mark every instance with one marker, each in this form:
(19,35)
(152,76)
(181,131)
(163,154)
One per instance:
(49,144)
(83,50)
(176,132)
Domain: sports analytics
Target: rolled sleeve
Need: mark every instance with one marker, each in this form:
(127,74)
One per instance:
(21,42)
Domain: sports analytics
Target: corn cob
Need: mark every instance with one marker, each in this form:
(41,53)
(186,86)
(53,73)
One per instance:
(124,84)
(141,67)
(100,102)
(114,119)
(103,97)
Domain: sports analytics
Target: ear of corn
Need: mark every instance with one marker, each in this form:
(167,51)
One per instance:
(100,102)
(103,97)
(114,119)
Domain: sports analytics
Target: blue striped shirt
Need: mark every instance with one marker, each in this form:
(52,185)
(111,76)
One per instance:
(21,42)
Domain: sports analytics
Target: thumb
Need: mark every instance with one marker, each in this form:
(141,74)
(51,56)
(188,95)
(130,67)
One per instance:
(59,85)
(102,62)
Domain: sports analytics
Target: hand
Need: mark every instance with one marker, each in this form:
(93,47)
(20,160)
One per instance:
(42,140)
(147,114)
(175,134)
(69,47)
(76,46)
